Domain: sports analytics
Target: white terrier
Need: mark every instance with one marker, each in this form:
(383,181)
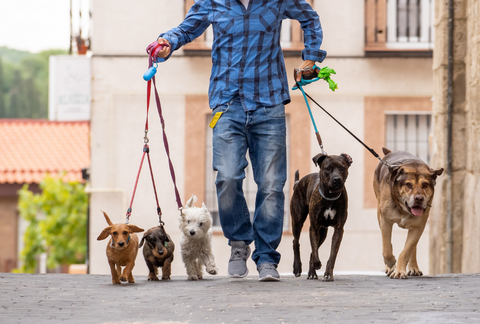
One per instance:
(196,240)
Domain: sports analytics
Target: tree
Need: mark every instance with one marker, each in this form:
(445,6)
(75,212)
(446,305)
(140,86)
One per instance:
(57,223)
(2,89)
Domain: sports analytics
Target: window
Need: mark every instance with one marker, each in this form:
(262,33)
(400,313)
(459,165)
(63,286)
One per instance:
(249,185)
(291,36)
(409,132)
(396,25)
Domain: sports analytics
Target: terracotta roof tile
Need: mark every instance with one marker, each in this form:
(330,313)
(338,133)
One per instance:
(29,149)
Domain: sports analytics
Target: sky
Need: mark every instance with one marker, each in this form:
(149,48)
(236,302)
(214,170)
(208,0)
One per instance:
(36,25)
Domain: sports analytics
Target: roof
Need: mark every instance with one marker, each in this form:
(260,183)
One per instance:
(32,148)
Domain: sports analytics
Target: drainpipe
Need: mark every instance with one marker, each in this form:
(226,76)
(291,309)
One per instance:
(449,137)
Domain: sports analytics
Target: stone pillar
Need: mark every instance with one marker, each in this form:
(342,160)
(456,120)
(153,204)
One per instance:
(465,178)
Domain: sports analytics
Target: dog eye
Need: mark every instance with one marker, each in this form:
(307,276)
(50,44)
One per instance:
(328,169)
(125,232)
(425,185)
(409,185)
(200,224)
(188,222)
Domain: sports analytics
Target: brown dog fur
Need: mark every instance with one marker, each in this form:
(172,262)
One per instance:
(121,252)
(404,194)
(323,213)
(158,252)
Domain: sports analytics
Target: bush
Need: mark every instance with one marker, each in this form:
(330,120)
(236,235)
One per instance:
(57,223)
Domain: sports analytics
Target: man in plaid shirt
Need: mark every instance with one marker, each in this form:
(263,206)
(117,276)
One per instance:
(248,91)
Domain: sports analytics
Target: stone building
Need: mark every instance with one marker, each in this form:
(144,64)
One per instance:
(455,231)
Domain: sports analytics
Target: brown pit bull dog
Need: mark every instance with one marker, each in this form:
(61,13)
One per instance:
(323,196)
(404,193)
(158,252)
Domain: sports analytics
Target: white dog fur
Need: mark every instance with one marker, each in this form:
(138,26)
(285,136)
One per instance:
(196,240)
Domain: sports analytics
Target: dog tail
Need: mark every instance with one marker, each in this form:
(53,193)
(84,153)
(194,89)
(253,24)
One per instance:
(297,177)
(107,218)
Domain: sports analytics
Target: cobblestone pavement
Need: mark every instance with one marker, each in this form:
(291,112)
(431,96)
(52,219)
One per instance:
(53,298)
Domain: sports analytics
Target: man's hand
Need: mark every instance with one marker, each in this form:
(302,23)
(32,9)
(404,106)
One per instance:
(305,64)
(166,49)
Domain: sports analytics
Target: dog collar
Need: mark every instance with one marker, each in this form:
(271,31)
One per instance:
(128,240)
(329,199)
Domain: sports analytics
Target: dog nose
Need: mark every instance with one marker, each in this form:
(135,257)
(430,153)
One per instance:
(336,179)
(419,199)
(192,232)
(160,251)
(121,244)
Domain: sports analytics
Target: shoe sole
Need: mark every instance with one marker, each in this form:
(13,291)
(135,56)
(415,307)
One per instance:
(269,278)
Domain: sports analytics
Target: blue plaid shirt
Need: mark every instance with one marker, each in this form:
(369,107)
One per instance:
(246,54)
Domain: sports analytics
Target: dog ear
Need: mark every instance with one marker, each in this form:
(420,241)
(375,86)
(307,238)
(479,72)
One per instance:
(317,159)
(109,222)
(395,172)
(191,201)
(142,240)
(347,158)
(386,151)
(204,208)
(104,233)
(167,239)
(135,229)
(434,174)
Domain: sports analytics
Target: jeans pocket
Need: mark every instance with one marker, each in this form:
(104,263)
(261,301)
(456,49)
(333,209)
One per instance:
(221,108)
(277,111)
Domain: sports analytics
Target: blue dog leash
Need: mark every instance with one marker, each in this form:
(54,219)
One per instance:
(310,78)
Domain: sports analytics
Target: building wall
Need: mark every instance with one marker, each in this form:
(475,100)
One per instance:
(465,177)
(118,116)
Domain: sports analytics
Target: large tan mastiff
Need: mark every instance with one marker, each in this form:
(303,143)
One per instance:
(404,193)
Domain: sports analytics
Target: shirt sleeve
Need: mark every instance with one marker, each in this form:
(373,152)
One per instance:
(195,23)
(301,11)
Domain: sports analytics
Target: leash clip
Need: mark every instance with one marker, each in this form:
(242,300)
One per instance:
(145,138)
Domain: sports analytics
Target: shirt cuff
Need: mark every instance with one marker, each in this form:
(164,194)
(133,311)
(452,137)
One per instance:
(313,55)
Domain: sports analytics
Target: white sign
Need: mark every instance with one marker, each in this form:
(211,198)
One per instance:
(69,93)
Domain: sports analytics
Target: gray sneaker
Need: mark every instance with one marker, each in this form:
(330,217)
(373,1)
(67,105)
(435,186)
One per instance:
(268,272)
(237,265)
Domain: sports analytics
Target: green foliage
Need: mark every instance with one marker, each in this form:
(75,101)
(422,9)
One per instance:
(58,218)
(24,83)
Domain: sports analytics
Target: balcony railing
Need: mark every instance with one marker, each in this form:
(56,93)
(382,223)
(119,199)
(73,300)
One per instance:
(291,36)
(399,25)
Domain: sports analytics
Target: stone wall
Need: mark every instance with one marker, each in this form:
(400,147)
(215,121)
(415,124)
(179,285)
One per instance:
(465,178)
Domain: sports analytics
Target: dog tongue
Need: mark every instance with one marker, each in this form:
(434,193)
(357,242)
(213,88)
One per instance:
(417,211)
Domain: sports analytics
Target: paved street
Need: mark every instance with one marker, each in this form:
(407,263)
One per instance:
(54,298)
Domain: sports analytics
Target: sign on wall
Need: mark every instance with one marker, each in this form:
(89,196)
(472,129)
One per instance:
(69,93)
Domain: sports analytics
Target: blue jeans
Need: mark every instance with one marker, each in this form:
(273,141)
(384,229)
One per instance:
(263,133)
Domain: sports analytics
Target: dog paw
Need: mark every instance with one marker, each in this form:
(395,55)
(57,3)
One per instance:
(398,275)
(317,264)
(414,272)
(327,277)
(389,270)
(131,281)
(193,277)
(153,279)
(116,282)
(212,271)
(165,277)
(122,278)
(297,269)
(312,274)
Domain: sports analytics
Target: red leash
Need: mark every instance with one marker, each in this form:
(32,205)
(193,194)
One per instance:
(152,50)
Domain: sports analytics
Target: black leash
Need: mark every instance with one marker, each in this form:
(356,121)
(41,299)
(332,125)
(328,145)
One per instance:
(372,151)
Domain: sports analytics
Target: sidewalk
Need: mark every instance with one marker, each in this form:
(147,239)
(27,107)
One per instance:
(55,298)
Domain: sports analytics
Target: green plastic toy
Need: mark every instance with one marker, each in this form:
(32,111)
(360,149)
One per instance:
(325,74)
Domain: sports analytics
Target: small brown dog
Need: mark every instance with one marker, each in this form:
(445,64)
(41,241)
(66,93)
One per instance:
(404,193)
(121,249)
(158,252)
